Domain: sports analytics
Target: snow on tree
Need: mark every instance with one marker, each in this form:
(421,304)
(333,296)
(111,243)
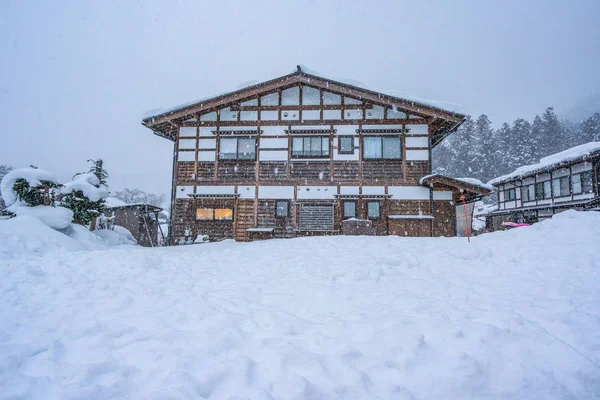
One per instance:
(137,196)
(85,195)
(591,128)
(4,169)
(33,191)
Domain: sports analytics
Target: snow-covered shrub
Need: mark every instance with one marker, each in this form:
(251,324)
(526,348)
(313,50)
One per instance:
(32,191)
(84,195)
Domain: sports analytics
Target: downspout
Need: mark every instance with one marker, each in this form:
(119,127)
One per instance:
(170,238)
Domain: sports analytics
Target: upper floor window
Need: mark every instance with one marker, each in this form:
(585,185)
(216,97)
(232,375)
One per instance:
(346,145)
(509,194)
(237,148)
(528,193)
(382,148)
(542,191)
(582,183)
(310,146)
(560,187)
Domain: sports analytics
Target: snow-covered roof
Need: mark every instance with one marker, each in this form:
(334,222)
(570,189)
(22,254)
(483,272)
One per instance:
(550,162)
(114,202)
(400,95)
(469,181)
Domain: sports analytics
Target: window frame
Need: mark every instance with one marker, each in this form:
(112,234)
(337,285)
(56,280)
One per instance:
(507,197)
(527,191)
(237,148)
(340,151)
(378,209)
(304,137)
(213,212)
(587,183)
(580,177)
(344,202)
(287,202)
(382,158)
(560,186)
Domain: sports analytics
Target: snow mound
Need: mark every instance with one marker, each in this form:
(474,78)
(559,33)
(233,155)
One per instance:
(54,217)
(88,184)
(29,234)
(551,161)
(511,315)
(33,176)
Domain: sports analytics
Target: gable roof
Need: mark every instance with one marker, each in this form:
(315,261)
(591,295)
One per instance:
(165,123)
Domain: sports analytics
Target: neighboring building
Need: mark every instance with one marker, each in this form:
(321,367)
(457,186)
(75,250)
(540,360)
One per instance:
(298,154)
(142,220)
(562,181)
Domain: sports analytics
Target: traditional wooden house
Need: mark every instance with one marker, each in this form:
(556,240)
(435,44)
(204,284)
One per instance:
(566,180)
(298,154)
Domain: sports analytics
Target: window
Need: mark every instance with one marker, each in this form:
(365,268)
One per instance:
(586,182)
(346,145)
(560,187)
(373,210)
(528,193)
(382,148)
(547,190)
(310,146)
(539,190)
(214,214)
(509,194)
(237,149)
(204,214)
(282,208)
(576,184)
(349,209)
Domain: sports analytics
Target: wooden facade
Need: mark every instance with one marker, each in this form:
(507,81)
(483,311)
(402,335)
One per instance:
(541,193)
(299,154)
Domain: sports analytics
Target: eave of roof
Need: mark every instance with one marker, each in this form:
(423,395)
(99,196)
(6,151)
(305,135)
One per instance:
(190,110)
(480,190)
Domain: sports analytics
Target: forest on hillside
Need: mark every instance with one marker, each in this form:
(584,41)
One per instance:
(478,150)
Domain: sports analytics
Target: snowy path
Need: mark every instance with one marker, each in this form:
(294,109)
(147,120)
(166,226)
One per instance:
(513,315)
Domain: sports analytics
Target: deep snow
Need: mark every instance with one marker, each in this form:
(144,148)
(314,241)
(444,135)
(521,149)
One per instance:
(511,315)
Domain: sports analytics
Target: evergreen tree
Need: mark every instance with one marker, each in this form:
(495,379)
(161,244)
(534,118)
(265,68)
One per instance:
(523,144)
(591,129)
(484,149)
(537,136)
(505,160)
(86,194)
(553,132)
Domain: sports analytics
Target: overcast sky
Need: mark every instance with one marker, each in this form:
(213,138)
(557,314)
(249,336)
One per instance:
(76,77)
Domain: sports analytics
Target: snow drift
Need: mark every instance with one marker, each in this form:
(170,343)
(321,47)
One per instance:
(511,315)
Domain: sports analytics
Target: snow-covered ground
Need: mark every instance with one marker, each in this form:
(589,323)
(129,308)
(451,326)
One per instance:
(511,315)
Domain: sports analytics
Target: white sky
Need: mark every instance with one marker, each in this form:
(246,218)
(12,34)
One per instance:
(76,78)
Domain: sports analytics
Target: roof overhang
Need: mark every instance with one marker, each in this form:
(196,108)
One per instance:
(471,191)
(443,122)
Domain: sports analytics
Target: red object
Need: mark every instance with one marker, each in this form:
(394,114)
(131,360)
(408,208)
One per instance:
(513,224)
(462,197)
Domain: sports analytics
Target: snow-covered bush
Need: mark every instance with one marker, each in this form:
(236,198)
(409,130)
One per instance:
(84,195)
(32,191)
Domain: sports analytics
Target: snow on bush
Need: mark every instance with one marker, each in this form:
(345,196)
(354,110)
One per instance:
(84,195)
(88,184)
(31,191)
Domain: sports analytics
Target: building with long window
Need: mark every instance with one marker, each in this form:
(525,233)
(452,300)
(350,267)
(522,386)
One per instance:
(562,181)
(299,154)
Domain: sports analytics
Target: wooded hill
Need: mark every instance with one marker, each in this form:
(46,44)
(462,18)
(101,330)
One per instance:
(477,150)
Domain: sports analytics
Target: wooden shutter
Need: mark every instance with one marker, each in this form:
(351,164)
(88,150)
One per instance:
(316,217)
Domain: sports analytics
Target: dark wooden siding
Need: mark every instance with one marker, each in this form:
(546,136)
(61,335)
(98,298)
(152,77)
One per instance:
(310,171)
(382,170)
(273,171)
(346,171)
(415,170)
(185,171)
(443,223)
(236,171)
